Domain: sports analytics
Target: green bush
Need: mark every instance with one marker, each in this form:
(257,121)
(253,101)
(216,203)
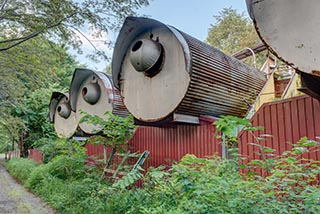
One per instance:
(198,185)
(194,185)
(21,168)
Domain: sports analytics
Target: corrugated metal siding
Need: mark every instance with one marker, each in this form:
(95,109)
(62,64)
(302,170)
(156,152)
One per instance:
(287,121)
(171,142)
(96,150)
(118,107)
(220,84)
(35,154)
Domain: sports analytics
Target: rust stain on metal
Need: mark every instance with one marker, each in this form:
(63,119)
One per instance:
(271,49)
(316,72)
(219,82)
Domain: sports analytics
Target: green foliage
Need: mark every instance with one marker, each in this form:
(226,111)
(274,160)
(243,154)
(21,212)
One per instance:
(198,185)
(229,127)
(116,130)
(232,32)
(21,168)
(33,65)
(195,185)
(132,177)
(30,72)
(5,140)
(61,20)
(34,40)
(290,177)
(51,148)
(33,112)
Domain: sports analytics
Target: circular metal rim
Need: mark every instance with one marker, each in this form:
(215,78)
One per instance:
(103,104)
(65,127)
(185,67)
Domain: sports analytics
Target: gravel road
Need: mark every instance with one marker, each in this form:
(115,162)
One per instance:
(15,199)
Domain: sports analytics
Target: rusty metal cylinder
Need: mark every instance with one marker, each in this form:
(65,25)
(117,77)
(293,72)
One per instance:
(192,78)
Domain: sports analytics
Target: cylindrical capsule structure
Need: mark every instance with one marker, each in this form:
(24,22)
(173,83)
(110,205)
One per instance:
(93,93)
(64,120)
(289,29)
(161,70)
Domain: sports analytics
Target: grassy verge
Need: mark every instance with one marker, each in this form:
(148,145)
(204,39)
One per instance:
(195,185)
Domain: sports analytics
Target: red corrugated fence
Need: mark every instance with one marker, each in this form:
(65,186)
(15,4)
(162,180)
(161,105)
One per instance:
(35,154)
(171,142)
(287,121)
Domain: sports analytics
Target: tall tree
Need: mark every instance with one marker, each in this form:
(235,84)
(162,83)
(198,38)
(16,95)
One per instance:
(34,35)
(37,65)
(60,20)
(232,32)
(32,65)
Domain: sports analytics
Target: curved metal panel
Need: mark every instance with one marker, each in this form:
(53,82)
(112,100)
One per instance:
(65,125)
(220,84)
(132,28)
(79,75)
(195,78)
(118,107)
(100,107)
(289,28)
(55,97)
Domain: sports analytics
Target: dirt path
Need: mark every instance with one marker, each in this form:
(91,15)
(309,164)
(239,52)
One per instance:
(15,199)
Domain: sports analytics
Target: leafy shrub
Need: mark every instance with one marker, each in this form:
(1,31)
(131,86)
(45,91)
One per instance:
(116,130)
(198,185)
(51,148)
(194,185)
(37,177)
(21,168)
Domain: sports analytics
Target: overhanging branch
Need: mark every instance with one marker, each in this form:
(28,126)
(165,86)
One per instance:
(82,34)
(3,5)
(32,35)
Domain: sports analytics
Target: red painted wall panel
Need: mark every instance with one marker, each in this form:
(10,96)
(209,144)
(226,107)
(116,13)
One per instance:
(35,154)
(96,150)
(287,121)
(171,142)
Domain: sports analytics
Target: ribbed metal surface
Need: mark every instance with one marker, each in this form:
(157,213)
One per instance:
(118,107)
(220,84)
(195,79)
(287,121)
(35,154)
(171,142)
(94,150)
